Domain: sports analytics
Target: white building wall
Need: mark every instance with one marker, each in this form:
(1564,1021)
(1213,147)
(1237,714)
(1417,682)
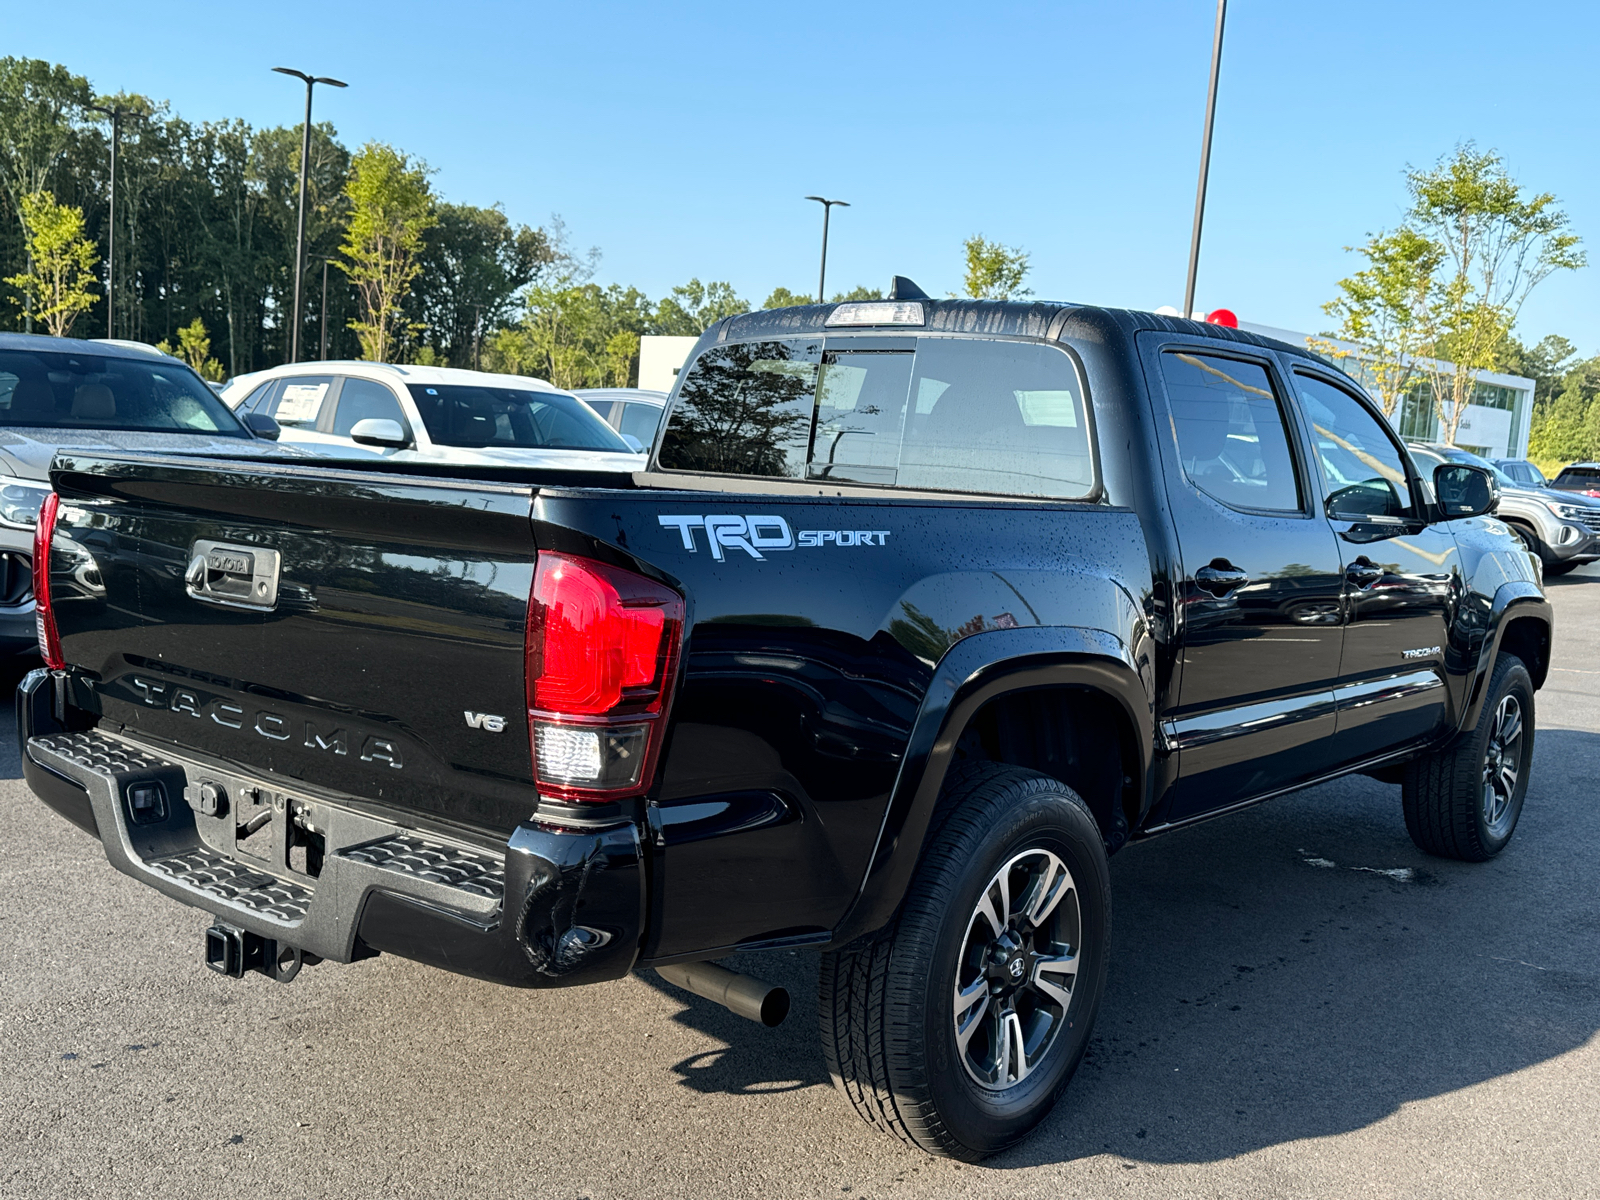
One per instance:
(660,358)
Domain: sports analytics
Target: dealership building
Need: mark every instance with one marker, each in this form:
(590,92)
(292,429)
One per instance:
(1495,424)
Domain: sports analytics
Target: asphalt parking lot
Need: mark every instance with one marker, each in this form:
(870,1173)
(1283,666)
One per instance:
(1301,1004)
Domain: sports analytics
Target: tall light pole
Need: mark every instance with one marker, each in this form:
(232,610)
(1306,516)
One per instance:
(827,208)
(300,231)
(323,355)
(1205,160)
(116,112)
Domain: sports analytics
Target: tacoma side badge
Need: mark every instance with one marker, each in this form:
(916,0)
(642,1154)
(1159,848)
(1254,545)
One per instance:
(487,721)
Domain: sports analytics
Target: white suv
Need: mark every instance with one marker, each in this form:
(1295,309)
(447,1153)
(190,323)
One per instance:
(431,414)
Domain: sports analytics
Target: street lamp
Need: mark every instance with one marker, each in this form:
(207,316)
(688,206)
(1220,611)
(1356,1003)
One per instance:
(300,231)
(1205,160)
(827,208)
(323,355)
(116,112)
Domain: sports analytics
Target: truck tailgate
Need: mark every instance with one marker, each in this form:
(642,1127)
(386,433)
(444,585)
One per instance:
(358,632)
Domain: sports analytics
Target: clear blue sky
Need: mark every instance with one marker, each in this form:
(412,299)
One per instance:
(680,138)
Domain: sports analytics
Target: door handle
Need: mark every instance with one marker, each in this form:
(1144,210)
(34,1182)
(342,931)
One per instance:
(1364,572)
(1219,577)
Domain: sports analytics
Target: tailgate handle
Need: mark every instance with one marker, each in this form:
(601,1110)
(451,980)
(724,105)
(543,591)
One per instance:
(233,576)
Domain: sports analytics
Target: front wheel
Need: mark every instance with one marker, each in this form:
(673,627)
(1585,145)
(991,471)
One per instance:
(1464,801)
(957,1027)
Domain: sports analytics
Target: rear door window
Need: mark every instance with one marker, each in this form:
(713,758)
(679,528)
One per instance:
(363,399)
(298,403)
(640,421)
(1232,437)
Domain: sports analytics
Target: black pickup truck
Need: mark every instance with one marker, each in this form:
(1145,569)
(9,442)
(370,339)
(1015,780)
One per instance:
(921,611)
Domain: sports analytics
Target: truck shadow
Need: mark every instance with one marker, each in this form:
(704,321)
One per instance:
(11,672)
(1293,971)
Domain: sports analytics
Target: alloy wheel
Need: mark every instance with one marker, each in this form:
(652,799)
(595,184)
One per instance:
(1502,762)
(1019,962)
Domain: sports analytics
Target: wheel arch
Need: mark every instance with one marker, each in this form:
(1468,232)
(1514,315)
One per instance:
(1053,671)
(1522,622)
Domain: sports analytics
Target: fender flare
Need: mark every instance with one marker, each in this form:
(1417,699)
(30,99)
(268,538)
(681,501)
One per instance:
(1512,601)
(973,672)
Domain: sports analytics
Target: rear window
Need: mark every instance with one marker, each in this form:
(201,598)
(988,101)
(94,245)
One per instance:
(492,417)
(1579,475)
(934,414)
(89,391)
(640,421)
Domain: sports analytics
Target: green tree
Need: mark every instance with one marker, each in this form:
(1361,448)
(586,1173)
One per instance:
(782,297)
(475,262)
(41,105)
(55,288)
(1382,308)
(391,209)
(1496,244)
(695,307)
(194,347)
(995,272)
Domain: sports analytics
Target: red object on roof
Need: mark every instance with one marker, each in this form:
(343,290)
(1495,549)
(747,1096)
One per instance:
(1222,316)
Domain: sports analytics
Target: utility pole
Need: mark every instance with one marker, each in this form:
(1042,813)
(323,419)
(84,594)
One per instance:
(300,229)
(1205,160)
(116,113)
(827,208)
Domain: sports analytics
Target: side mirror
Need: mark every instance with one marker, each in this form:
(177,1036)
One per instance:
(262,426)
(1464,491)
(634,443)
(379,431)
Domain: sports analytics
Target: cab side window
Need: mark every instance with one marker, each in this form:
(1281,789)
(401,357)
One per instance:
(1232,436)
(1363,473)
(361,399)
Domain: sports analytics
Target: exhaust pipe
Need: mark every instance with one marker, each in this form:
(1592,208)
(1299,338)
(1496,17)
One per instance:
(749,998)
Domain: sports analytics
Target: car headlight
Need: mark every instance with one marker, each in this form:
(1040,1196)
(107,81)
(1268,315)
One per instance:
(20,500)
(1567,512)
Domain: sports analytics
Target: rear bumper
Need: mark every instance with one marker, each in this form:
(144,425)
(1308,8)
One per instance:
(335,882)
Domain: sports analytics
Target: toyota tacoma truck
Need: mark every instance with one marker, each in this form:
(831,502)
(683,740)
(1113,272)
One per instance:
(920,611)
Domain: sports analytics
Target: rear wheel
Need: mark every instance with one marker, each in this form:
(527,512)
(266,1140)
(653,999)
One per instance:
(1560,568)
(1464,801)
(957,1027)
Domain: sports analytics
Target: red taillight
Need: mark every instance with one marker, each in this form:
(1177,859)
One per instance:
(602,648)
(44,616)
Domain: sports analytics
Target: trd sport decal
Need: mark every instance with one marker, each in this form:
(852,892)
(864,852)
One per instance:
(754,534)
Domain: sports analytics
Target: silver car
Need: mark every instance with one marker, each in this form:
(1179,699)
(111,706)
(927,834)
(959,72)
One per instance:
(1562,528)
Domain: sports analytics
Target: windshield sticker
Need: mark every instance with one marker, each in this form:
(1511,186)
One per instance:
(756,534)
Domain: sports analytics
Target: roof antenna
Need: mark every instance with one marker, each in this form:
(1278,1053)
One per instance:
(901,288)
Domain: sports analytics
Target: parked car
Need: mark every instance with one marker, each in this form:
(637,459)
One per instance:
(432,414)
(58,392)
(922,609)
(1583,478)
(635,413)
(1563,530)
(1522,471)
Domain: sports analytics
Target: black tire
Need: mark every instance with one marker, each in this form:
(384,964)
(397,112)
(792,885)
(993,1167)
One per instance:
(888,1001)
(1560,568)
(1453,808)
(1529,539)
